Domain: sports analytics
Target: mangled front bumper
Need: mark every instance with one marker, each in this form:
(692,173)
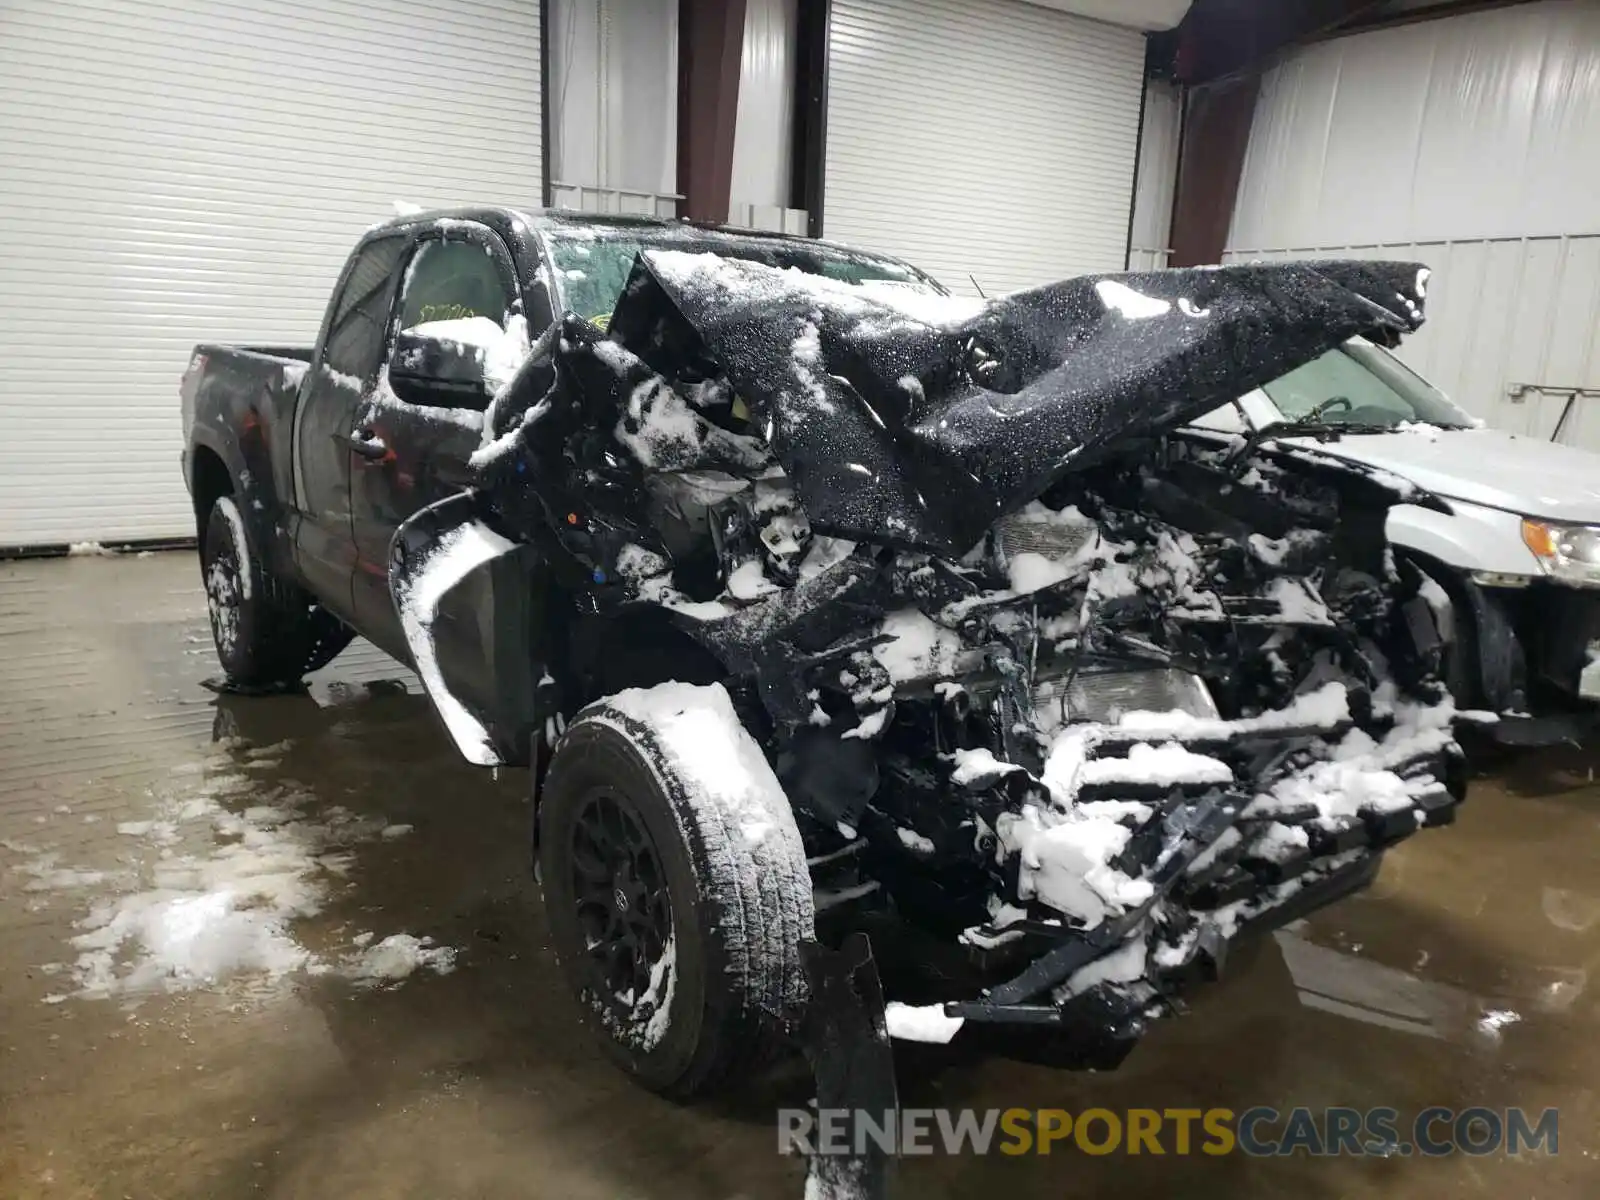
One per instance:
(1101,1021)
(1228,829)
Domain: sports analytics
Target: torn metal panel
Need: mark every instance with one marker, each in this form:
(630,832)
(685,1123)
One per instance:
(444,555)
(896,424)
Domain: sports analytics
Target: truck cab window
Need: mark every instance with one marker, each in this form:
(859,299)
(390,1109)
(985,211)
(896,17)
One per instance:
(355,336)
(450,281)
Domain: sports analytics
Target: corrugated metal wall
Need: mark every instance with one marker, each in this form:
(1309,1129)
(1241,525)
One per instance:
(614,105)
(763,129)
(198,171)
(988,137)
(1471,143)
(1159,138)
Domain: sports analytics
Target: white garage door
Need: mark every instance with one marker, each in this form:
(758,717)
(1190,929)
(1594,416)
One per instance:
(1472,144)
(982,137)
(197,170)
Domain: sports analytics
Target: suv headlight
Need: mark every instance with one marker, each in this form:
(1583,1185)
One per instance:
(1566,552)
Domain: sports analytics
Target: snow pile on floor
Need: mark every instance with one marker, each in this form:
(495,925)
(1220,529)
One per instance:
(1495,1020)
(181,940)
(224,910)
(47,876)
(397,957)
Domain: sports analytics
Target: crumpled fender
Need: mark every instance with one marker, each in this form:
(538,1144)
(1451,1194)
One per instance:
(440,551)
(922,432)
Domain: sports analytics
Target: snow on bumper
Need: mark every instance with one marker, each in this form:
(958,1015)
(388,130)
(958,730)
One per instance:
(1276,815)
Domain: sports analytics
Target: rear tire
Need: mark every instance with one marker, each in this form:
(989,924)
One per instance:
(677,897)
(267,634)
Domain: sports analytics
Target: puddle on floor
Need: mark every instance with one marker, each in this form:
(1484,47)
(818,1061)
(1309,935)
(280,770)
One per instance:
(342,1064)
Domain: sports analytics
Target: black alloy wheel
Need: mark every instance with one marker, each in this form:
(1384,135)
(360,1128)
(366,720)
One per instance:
(619,889)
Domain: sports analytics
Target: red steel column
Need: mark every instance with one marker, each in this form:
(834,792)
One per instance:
(1216,131)
(710,45)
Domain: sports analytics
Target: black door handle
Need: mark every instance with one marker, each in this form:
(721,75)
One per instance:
(364,444)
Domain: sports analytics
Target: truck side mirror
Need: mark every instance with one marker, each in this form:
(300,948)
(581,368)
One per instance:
(438,370)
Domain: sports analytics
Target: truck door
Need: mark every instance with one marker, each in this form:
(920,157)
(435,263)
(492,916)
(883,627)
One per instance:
(344,368)
(455,273)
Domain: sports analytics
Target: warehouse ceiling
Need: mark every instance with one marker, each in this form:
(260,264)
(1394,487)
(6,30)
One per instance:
(1216,39)
(1140,14)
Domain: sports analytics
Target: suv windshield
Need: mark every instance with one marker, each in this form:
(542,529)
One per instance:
(592,264)
(1358,384)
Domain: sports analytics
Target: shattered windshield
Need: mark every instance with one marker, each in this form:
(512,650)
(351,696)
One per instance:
(592,266)
(1358,384)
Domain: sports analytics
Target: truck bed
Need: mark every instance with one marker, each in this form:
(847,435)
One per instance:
(298,353)
(236,400)
(274,354)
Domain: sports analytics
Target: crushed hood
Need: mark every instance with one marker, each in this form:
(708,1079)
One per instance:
(916,419)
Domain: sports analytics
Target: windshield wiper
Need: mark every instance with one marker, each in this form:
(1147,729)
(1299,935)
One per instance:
(1320,430)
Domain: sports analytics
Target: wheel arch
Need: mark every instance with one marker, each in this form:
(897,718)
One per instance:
(209,481)
(1483,631)
(222,464)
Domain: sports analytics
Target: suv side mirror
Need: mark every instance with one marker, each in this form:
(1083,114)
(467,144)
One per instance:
(439,371)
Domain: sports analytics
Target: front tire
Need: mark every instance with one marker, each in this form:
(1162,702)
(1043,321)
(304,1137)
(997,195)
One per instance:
(675,886)
(267,634)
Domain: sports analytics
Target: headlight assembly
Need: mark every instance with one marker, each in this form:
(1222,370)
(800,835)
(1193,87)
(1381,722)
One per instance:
(1104,695)
(1100,694)
(1567,552)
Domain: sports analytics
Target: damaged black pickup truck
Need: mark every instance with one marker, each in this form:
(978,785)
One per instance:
(808,592)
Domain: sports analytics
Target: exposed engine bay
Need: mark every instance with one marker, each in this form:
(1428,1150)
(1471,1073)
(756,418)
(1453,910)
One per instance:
(1072,687)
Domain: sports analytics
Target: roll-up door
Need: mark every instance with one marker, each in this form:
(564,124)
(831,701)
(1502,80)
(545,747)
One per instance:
(197,170)
(988,139)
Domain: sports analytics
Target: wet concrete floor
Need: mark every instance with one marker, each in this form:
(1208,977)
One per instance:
(479,1082)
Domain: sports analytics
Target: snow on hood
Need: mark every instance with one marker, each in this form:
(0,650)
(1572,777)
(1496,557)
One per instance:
(916,419)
